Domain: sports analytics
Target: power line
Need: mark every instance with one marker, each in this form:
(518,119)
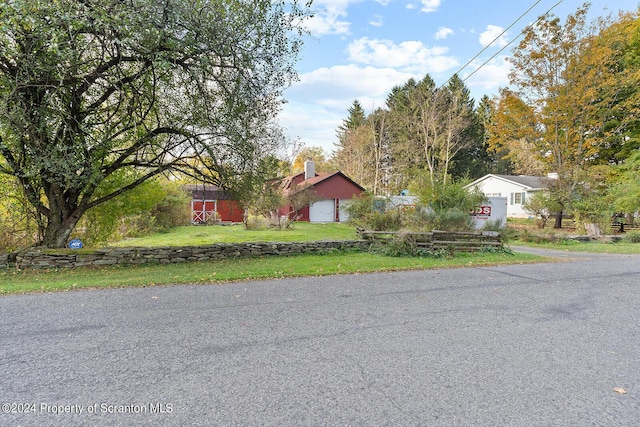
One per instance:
(495,39)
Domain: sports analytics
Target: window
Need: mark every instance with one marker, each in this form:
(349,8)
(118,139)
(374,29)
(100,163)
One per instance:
(517,198)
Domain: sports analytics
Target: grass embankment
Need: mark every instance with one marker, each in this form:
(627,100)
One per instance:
(525,232)
(12,281)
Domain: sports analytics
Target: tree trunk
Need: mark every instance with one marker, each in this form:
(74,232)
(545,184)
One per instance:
(558,223)
(57,234)
(61,221)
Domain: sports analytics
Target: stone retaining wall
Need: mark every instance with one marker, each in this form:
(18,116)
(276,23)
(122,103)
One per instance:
(38,258)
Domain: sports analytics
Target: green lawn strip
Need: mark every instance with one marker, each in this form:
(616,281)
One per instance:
(204,235)
(575,246)
(12,281)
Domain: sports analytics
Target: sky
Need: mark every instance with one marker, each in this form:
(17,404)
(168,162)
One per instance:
(361,49)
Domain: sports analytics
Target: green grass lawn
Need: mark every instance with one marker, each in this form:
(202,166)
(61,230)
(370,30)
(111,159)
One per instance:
(13,281)
(574,246)
(205,235)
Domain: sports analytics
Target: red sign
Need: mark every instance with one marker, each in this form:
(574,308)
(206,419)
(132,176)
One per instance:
(482,211)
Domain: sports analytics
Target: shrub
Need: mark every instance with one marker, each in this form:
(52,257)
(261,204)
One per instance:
(374,213)
(452,220)
(153,206)
(173,209)
(448,204)
(632,237)
(592,209)
(540,205)
(18,226)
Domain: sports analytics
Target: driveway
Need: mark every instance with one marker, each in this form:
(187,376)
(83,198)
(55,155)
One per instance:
(547,344)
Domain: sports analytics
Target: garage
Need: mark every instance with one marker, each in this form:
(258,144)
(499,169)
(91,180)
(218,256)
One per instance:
(322,211)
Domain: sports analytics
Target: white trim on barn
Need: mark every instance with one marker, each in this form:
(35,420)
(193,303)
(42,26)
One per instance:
(202,215)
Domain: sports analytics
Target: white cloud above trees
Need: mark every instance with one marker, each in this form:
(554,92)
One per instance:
(412,56)
(443,33)
(491,34)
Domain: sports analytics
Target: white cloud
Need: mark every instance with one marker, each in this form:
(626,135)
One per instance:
(443,33)
(327,22)
(329,17)
(410,56)
(489,78)
(323,97)
(376,20)
(490,34)
(347,82)
(430,5)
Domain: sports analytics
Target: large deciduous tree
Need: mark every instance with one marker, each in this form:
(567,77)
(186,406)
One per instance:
(515,134)
(91,90)
(609,71)
(545,73)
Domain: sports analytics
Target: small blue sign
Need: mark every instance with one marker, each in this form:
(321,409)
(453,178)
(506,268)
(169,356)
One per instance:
(75,244)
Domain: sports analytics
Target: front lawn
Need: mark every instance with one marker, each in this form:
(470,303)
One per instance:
(194,235)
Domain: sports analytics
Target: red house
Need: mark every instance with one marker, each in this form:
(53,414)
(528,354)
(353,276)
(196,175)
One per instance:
(335,191)
(209,202)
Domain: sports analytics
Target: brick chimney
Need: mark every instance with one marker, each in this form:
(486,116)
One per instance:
(309,169)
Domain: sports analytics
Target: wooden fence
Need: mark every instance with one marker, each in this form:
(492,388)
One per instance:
(438,240)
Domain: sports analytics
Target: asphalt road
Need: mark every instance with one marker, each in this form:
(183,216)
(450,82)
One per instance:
(545,344)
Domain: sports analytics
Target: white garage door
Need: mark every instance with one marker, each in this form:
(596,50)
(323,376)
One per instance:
(322,211)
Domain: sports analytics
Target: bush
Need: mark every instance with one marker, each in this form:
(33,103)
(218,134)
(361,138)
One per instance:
(540,205)
(18,227)
(452,220)
(632,237)
(448,205)
(153,206)
(592,209)
(173,209)
(374,213)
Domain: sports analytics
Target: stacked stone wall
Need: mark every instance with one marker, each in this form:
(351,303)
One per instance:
(41,258)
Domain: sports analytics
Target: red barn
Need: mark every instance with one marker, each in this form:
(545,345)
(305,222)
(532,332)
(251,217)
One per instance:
(335,191)
(209,202)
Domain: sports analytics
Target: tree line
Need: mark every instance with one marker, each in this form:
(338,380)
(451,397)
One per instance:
(572,109)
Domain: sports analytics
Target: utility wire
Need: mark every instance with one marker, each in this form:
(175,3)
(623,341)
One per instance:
(495,39)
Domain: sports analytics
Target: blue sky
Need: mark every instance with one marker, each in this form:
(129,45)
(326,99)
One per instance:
(360,49)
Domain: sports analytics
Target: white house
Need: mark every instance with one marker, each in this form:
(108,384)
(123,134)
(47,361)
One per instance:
(516,188)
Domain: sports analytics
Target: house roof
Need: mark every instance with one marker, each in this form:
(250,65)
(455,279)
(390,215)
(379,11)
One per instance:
(207,192)
(532,182)
(288,182)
